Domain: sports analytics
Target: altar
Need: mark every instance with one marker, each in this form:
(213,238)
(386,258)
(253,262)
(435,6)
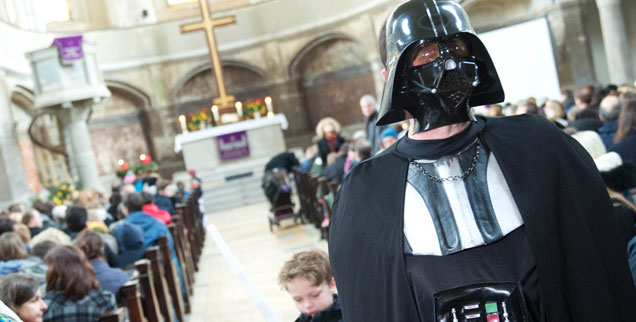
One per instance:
(222,152)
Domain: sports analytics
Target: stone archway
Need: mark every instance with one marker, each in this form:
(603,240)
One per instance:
(333,73)
(43,167)
(120,127)
(197,88)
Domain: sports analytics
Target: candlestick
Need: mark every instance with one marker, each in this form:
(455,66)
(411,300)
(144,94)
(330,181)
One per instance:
(182,121)
(239,109)
(268,102)
(215,113)
(270,115)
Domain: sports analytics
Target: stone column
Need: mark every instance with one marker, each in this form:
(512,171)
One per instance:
(73,121)
(573,54)
(615,41)
(14,187)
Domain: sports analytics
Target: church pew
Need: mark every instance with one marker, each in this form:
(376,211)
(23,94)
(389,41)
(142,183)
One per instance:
(151,301)
(187,252)
(313,190)
(187,213)
(302,194)
(118,315)
(184,261)
(311,209)
(180,211)
(324,206)
(161,286)
(198,223)
(133,301)
(172,278)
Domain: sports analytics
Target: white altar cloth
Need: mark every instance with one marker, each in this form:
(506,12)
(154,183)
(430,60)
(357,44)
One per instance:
(181,139)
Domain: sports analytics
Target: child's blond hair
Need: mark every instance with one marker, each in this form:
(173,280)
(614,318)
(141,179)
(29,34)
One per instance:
(311,265)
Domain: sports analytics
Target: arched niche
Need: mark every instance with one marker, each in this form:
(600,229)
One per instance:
(197,88)
(332,74)
(120,127)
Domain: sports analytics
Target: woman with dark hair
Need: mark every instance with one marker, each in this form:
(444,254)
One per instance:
(92,245)
(626,133)
(72,291)
(21,294)
(12,252)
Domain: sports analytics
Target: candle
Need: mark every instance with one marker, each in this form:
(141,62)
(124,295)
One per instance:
(182,121)
(215,113)
(239,109)
(270,115)
(268,101)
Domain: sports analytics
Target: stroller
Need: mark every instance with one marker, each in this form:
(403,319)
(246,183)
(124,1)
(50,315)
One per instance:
(278,191)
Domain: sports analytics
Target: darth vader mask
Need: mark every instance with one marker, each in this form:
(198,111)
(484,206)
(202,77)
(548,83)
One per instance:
(436,81)
(437,68)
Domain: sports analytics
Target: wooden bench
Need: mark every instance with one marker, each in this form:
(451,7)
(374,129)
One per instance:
(133,301)
(172,277)
(166,303)
(150,301)
(118,315)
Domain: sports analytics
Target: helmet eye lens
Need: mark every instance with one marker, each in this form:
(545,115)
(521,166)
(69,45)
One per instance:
(424,54)
(458,48)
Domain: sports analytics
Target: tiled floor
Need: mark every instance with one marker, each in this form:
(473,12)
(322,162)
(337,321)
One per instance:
(219,296)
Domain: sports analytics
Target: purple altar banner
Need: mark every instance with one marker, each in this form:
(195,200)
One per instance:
(70,48)
(233,146)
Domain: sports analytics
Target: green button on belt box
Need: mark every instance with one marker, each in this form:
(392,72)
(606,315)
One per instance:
(491,307)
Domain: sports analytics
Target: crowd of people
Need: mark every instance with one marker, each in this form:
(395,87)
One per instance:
(68,262)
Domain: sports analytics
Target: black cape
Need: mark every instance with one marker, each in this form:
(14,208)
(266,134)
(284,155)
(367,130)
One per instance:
(582,266)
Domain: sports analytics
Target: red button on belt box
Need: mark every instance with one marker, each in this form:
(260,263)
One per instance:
(493,317)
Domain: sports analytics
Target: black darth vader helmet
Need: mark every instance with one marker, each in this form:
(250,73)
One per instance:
(437,68)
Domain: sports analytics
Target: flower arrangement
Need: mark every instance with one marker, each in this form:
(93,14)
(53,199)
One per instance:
(61,194)
(255,106)
(138,168)
(199,119)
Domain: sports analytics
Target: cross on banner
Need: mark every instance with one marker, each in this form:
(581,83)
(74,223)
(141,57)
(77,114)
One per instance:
(208,25)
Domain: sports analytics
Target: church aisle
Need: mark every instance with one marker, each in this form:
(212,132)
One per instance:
(219,296)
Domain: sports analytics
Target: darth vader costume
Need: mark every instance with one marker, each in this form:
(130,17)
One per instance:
(507,220)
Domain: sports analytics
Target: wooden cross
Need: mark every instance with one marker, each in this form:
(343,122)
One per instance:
(208,25)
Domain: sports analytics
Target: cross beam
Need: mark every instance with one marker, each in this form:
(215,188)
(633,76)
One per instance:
(208,24)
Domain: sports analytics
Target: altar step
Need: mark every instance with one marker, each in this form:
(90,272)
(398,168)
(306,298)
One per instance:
(234,193)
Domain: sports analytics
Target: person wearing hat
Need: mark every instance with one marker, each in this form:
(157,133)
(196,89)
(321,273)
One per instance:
(469,218)
(131,244)
(388,137)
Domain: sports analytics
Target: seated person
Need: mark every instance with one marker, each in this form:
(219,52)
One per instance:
(110,279)
(6,224)
(388,137)
(334,171)
(33,219)
(34,265)
(285,160)
(76,219)
(131,245)
(308,279)
(72,291)
(21,294)
(153,228)
(12,253)
(163,197)
(151,209)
